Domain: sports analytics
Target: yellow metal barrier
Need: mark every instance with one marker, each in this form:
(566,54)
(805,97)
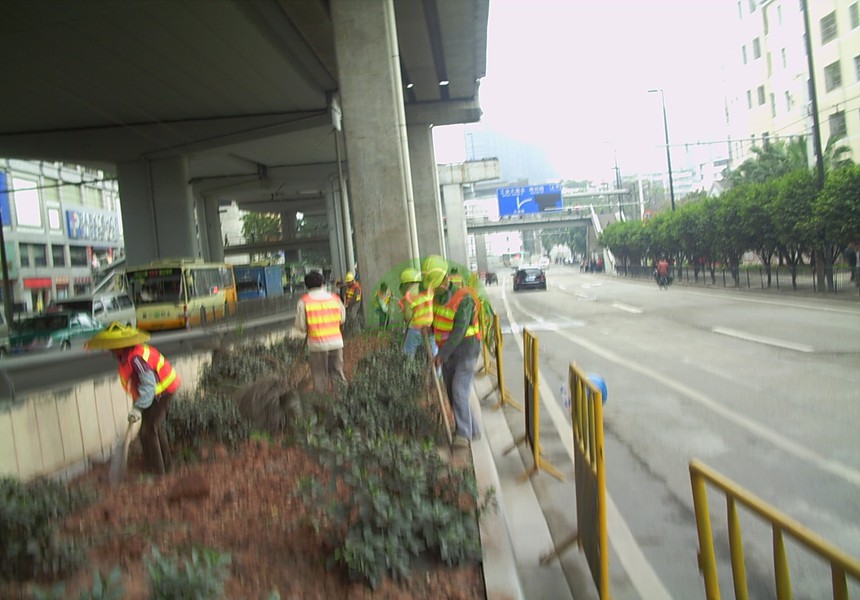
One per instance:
(504,397)
(532,408)
(590,475)
(841,564)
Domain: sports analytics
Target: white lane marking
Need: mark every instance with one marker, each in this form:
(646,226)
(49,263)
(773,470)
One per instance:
(760,339)
(627,308)
(773,302)
(633,560)
(785,444)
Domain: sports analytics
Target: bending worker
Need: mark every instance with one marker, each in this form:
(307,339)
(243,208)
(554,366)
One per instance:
(150,380)
(455,327)
(352,297)
(417,307)
(319,316)
(382,304)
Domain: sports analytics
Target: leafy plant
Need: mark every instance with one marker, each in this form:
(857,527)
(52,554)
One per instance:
(201,577)
(403,502)
(194,422)
(103,589)
(30,515)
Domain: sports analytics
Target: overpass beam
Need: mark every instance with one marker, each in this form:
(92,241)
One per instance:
(210,219)
(380,188)
(157,210)
(425,183)
(455,217)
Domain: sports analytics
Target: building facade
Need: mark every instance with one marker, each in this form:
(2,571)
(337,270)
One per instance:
(768,95)
(61,227)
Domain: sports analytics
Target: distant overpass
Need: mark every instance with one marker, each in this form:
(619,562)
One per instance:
(532,221)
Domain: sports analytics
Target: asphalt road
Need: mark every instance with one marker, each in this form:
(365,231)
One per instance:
(763,387)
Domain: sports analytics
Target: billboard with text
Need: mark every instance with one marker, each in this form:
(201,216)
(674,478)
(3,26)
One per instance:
(524,199)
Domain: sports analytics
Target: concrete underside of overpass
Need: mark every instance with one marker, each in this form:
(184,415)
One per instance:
(191,104)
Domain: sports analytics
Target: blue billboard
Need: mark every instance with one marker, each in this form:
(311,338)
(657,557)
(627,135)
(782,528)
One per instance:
(529,199)
(5,212)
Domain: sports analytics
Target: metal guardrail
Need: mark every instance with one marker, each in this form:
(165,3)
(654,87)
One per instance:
(841,565)
(499,371)
(590,477)
(531,385)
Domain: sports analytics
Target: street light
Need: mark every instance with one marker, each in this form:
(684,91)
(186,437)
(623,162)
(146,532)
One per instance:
(668,152)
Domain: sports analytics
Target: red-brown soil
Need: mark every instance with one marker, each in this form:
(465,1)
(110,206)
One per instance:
(238,502)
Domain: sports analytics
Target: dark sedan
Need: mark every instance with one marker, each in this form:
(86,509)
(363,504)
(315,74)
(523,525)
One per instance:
(529,278)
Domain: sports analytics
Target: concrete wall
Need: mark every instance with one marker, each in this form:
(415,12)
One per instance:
(60,432)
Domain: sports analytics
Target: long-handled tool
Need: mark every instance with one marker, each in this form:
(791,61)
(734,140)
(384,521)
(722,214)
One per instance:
(439,392)
(119,460)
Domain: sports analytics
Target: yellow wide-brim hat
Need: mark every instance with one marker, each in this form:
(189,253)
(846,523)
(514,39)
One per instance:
(116,336)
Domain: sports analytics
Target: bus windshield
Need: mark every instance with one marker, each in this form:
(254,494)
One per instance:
(155,286)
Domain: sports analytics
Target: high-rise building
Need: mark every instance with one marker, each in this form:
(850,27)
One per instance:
(768,94)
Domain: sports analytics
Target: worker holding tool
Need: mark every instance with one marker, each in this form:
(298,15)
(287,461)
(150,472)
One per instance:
(352,298)
(150,380)
(417,308)
(458,336)
(319,316)
(382,304)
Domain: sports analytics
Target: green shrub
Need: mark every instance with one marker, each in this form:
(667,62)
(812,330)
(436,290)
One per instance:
(387,394)
(201,577)
(194,422)
(402,501)
(103,589)
(233,367)
(30,515)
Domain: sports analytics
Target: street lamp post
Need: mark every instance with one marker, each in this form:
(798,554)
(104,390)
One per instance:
(668,151)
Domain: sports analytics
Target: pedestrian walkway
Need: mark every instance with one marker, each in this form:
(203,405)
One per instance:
(516,536)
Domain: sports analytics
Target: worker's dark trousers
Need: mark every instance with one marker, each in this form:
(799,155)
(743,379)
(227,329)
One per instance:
(459,373)
(153,438)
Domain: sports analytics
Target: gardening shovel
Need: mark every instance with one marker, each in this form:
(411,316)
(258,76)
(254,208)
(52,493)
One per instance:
(439,391)
(119,460)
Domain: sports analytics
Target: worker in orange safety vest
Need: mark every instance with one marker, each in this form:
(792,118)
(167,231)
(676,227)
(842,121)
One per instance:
(319,316)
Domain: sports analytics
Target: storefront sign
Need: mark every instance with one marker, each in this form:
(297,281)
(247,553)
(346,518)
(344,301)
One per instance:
(99,226)
(36,283)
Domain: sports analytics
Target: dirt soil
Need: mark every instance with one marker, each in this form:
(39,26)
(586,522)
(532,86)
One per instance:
(237,501)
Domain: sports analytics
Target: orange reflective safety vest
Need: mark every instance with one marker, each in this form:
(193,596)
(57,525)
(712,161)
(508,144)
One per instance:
(352,293)
(443,318)
(421,304)
(323,317)
(167,379)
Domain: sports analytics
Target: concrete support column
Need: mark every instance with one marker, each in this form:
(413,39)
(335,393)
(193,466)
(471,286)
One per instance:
(289,231)
(481,253)
(374,121)
(425,185)
(334,226)
(455,217)
(157,210)
(209,217)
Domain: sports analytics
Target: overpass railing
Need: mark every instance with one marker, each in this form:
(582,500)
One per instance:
(841,565)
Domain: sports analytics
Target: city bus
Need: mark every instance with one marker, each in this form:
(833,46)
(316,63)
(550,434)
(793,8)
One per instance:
(175,294)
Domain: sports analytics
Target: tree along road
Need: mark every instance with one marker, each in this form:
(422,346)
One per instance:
(761,387)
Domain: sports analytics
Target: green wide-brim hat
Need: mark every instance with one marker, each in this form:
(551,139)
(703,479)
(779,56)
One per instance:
(116,336)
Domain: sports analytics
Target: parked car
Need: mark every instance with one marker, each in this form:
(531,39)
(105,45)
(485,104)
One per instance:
(529,277)
(53,331)
(104,307)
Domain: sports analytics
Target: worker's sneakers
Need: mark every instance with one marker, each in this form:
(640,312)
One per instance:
(461,441)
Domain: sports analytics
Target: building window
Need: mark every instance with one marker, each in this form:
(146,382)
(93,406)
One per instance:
(779,14)
(855,16)
(788,101)
(772,105)
(58,255)
(749,98)
(24,251)
(40,255)
(744,53)
(857,66)
(832,76)
(828,28)
(761,96)
(78,256)
(27,206)
(769,65)
(756,48)
(752,6)
(784,58)
(837,125)
(740,10)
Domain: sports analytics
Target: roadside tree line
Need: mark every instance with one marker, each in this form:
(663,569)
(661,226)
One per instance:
(784,219)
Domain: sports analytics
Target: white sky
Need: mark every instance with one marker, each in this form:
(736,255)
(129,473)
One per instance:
(572,77)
